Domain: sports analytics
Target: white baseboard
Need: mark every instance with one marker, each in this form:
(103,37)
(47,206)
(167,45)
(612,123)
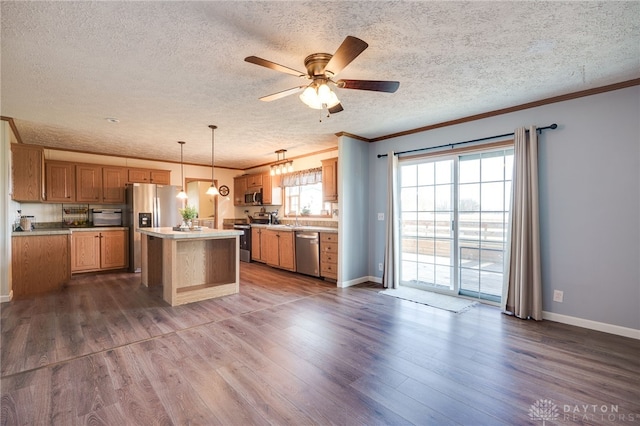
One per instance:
(344,284)
(6,298)
(350,283)
(592,325)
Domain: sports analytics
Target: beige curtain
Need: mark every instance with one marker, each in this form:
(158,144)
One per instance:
(522,295)
(302,177)
(390,276)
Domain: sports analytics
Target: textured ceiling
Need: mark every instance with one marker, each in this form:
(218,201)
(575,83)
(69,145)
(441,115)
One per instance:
(167,70)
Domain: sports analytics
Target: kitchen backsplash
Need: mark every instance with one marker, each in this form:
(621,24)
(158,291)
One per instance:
(52,212)
(327,223)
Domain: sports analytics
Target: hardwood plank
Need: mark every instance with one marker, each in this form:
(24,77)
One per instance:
(291,349)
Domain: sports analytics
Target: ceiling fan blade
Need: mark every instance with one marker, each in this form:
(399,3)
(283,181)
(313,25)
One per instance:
(374,85)
(350,48)
(335,109)
(282,94)
(274,66)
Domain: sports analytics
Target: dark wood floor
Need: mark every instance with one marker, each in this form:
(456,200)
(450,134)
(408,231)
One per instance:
(296,350)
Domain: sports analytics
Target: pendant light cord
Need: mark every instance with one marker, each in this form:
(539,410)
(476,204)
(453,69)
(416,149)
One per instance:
(213,128)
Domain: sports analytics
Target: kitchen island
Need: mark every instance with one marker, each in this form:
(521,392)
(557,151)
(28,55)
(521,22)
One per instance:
(192,265)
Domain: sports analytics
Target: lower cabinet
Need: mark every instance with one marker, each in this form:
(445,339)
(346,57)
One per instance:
(329,255)
(277,249)
(256,244)
(39,263)
(97,251)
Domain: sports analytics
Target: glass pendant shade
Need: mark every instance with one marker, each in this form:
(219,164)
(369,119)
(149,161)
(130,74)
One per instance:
(212,190)
(282,165)
(319,97)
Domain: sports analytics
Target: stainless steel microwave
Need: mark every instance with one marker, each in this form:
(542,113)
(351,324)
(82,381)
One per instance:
(254,198)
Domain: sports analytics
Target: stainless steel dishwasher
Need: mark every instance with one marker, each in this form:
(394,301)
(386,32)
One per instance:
(308,253)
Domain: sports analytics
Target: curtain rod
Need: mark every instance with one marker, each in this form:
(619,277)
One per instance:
(451,145)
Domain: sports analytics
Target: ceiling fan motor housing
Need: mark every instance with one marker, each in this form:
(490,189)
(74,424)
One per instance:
(315,64)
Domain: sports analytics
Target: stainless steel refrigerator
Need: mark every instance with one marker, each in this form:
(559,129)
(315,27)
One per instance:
(149,206)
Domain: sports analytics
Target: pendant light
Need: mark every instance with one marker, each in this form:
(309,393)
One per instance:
(282,165)
(213,191)
(182,195)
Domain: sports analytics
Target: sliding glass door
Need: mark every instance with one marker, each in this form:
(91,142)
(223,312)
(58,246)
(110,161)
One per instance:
(427,205)
(454,215)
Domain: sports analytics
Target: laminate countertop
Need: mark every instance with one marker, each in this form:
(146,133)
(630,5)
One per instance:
(66,231)
(292,228)
(207,233)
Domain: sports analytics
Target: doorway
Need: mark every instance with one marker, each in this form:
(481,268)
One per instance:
(454,218)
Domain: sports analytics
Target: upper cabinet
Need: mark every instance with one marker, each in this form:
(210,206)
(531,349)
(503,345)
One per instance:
(27,172)
(239,188)
(88,183)
(254,181)
(160,177)
(60,181)
(330,180)
(269,185)
(271,190)
(113,182)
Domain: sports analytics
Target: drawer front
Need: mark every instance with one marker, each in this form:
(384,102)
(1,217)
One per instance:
(329,270)
(327,237)
(329,247)
(328,257)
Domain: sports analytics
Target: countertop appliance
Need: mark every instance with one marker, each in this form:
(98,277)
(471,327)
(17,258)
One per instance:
(308,253)
(263,218)
(107,217)
(148,206)
(245,241)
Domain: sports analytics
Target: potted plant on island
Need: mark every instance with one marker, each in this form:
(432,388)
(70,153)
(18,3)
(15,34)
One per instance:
(188,213)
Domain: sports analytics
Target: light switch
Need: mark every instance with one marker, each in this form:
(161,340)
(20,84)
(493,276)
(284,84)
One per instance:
(380,216)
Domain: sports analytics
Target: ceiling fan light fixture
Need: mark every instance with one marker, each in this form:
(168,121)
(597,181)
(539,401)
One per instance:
(319,96)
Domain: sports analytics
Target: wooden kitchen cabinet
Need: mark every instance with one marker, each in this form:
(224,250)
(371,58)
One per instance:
(253,181)
(256,246)
(160,177)
(114,247)
(97,251)
(330,180)
(271,189)
(113,184)
(239,189)
(27,172)
(39,263)
(85,251)
(329,255)
(88,183)
(277,249)
(60,181)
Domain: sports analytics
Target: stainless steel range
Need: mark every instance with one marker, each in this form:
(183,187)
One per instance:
(245,241)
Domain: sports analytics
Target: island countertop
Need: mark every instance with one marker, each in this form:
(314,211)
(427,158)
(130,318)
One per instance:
(169,233)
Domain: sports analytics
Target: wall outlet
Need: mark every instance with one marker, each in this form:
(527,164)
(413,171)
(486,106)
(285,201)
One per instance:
(558,295)
(380,266)
(380,216)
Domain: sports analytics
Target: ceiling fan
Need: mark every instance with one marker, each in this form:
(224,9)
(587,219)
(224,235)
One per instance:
(321,69)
